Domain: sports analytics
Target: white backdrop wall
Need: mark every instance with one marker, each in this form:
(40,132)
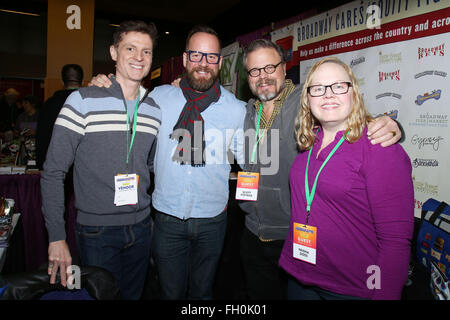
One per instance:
(403,69)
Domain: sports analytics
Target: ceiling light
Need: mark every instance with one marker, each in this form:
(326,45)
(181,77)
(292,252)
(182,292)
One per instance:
(20,12)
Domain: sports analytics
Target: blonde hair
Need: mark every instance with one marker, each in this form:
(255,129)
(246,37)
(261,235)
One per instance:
(305,122)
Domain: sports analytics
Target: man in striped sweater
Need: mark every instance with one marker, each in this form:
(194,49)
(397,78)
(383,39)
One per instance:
(108,134)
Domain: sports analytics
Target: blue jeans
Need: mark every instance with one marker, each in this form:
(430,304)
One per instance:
(122,250)
(186,254)
(298,291)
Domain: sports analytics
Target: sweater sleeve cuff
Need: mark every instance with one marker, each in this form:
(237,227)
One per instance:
(56,235)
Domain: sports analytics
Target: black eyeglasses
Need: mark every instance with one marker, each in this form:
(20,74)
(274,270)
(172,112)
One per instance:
(336,88)
(197,56)
(269,69)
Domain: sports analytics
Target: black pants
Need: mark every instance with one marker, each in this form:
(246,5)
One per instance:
(298,291)
(265,280)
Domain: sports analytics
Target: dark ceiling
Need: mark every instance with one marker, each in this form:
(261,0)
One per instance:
(230,18)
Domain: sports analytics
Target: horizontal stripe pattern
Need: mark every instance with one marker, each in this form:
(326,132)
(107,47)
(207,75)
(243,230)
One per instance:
(72,115)
(108,122)
(146,129)
(118,127)
(60,121)
(105,127)
(96,120)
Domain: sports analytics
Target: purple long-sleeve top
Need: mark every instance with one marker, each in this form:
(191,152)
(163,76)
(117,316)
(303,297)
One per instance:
(364,213)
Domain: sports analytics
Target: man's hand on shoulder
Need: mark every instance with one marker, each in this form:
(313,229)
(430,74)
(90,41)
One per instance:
(101,80)
(384,130)
(176,82)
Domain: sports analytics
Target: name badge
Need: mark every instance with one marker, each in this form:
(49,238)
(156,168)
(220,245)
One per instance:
(126,187)
(247,186)
(305,243)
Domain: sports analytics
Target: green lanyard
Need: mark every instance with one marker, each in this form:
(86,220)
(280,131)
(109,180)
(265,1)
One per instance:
(252,160)
(310,196)
(134,127)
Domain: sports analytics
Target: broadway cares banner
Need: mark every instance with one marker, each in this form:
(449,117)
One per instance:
(403,69)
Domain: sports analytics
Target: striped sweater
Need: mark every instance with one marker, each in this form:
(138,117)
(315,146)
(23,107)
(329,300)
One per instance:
(91,133)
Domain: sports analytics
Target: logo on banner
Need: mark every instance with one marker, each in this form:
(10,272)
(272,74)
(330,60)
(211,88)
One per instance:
(390,58)
(389,94)
(427,142)
(424,187)
(433,51)
(435,94)
(418,204)
(425,163)
(431,120)
(431,73)
(393,114)
(357,61)
(383,76)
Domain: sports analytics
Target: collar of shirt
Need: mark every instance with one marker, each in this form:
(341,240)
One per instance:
(278,103)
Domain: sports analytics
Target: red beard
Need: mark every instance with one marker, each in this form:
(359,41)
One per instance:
(202,84)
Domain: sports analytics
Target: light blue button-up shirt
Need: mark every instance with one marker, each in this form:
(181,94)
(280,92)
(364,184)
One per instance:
(185,191)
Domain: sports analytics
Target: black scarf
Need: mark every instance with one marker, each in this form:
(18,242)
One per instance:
(190,117)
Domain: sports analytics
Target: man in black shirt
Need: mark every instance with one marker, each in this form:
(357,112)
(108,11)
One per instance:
(72,77)
(8,110)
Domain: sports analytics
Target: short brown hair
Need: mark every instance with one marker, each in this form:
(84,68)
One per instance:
(202,28)
(136,26)
(262,43)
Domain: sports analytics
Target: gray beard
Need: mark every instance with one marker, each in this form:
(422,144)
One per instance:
(269,96)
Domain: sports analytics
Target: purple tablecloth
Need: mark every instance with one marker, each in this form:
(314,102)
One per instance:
(26,191)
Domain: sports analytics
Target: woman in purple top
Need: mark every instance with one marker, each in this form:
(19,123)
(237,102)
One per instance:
(352,202)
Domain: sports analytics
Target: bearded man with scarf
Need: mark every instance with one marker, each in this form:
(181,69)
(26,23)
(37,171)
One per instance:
(201,121)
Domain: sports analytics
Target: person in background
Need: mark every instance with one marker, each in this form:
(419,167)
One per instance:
(26,122)
(352,202)
(72,78)
(19,108)
(108,135)
(9,111)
